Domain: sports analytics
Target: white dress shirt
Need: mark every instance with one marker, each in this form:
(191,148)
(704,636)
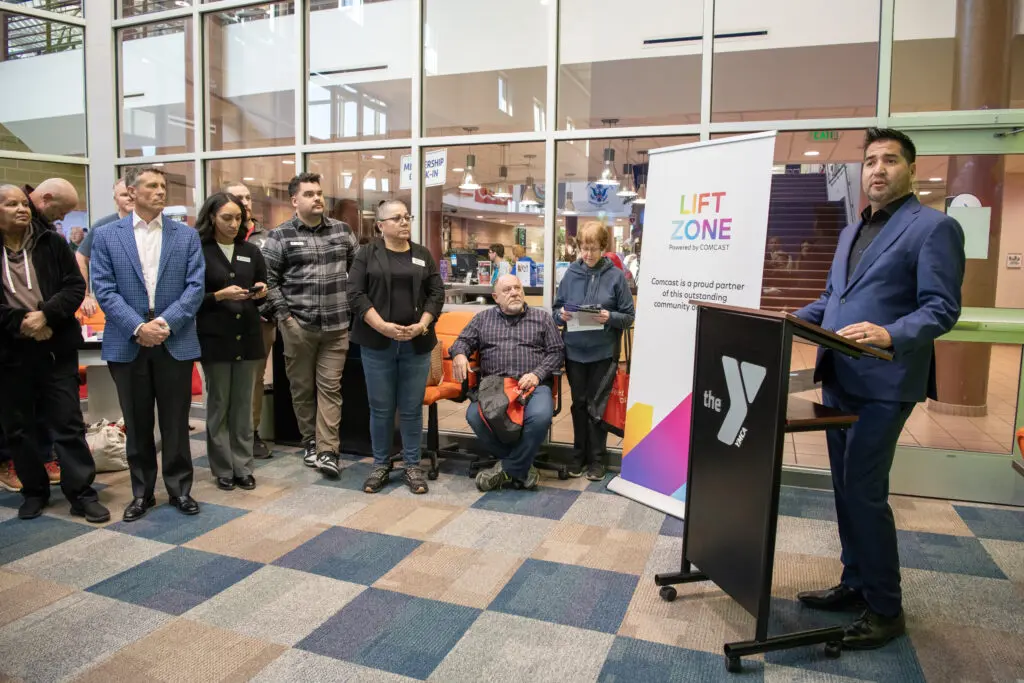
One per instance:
(149,239)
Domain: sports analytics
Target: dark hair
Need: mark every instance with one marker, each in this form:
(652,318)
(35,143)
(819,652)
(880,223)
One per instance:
(498,249)
(873,135)
(205,224)
(293,184)
(132,175)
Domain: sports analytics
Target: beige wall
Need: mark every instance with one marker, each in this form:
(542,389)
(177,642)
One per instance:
(1010,284)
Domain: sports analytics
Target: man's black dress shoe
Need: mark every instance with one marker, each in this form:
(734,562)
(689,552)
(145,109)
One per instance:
(872,630)
(186,505)
(137,508)
(835,599)
(92,510)
(225,483)
(248,482)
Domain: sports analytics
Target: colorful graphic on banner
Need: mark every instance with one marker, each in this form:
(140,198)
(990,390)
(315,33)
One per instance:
(705,227)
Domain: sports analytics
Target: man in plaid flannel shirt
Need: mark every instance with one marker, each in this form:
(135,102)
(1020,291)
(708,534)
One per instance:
(308,258)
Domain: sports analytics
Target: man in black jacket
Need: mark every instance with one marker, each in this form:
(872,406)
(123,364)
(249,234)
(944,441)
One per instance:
(40,290)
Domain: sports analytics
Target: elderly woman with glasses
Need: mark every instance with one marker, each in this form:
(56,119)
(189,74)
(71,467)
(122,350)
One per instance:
(395,294)
(593,283)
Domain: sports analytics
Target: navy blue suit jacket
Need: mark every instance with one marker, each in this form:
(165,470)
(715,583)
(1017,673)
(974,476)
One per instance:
(908,281)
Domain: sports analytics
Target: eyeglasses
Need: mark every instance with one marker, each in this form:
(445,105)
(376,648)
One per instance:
(399,219)
(593,248)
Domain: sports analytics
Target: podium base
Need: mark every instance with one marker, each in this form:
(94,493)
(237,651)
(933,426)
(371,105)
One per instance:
(645,496)
(832,637)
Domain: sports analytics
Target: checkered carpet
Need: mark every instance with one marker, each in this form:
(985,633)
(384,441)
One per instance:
(305,579)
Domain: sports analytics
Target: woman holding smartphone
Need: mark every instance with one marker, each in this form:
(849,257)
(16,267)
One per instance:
(230,337)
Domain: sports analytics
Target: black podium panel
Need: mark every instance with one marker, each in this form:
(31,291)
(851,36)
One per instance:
(739,392)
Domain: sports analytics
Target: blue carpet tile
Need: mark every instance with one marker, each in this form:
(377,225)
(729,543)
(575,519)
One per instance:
(392,631)
(176,581)
(165,524)
(672,526)
(20,538)
(352,477)
(546,502)
(999,525)
(567,594)
(640,660)
(807,503)
(950,554)
(349,555)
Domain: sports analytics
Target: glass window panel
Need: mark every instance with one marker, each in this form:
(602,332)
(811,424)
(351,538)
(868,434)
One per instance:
(813,60)
(924,59)
(252,56)
(21,172)
(376,173)
(181,190)
(134,8)
(50,119)
(623,74)
(70,7)
(266,178)
(155,88)
(351,65)
(470,55)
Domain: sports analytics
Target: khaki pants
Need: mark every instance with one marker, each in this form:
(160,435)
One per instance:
(314,361)
(269,334)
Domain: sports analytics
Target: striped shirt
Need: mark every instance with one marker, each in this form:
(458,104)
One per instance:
(513,345)
(307,273)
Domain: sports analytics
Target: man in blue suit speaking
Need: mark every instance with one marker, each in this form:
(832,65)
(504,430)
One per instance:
(894,284)
(148,278)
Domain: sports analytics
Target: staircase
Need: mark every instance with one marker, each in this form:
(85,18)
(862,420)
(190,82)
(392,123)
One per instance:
(803,230)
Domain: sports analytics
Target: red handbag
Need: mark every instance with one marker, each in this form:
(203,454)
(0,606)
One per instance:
(614,418)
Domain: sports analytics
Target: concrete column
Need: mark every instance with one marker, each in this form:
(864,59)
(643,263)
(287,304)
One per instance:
(981,80)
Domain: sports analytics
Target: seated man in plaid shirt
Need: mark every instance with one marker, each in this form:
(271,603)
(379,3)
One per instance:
(308,258)
(515,341)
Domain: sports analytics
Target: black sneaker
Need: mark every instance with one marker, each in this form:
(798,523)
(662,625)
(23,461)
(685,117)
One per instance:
(378,478)
(32,508)
(259,449)
(596,471)
(576,470)
(327,463)
(92,510)
(310,457)
(416,479)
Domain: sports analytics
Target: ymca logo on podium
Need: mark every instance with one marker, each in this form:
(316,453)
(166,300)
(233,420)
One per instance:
(743,381)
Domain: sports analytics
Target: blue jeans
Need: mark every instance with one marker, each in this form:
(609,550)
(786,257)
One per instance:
(395,378)
(517,458)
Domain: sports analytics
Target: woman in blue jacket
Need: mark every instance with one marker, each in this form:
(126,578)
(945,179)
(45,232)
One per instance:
(591,355)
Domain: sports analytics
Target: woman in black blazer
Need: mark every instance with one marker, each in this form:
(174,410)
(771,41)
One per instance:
(395,294)
(228,324)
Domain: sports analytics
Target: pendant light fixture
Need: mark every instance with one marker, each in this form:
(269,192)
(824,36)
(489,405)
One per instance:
(608,176)
(628,188)
(569,209)
(529,194)
(641,193)
(469,181)
(502,190)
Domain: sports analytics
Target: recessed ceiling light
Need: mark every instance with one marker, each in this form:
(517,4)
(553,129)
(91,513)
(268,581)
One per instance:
(811,153)
(479,217)
(248,180)
(158,165)
(935,180)
(924,192)
(502,220)
(288,162)
(378,156)
(458,170)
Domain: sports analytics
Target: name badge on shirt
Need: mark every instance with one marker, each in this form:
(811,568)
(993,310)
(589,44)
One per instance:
(418,262)
(296,244)
(243,259)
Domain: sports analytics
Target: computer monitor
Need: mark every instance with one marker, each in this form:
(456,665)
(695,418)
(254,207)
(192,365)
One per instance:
(462,264)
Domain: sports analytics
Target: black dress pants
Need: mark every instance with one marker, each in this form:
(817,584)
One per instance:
(155,376)
(39,401)
(589,437)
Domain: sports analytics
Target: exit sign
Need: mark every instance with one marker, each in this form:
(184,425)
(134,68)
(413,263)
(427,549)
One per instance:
(825,136)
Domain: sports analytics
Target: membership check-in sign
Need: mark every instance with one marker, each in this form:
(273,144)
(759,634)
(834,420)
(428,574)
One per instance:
(705,228)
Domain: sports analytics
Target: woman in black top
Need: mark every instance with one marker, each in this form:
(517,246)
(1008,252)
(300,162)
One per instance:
(230,337)
(395,294)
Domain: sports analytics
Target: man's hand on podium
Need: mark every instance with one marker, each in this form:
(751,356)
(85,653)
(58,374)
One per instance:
(867,333)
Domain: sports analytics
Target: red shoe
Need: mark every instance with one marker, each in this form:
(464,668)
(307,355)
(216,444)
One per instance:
(9,478)
(53,472)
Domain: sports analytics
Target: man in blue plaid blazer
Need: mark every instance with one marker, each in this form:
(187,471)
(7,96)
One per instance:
(148,278)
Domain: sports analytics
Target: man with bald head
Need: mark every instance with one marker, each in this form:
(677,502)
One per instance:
(125,204)
(50,201)
(520,342)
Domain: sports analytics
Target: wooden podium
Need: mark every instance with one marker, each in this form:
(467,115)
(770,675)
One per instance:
(742,412)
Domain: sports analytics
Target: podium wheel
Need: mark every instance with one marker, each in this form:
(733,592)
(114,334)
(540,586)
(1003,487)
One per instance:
(733,665)
(563,474)
(834,649)
(431,475)
(667,593)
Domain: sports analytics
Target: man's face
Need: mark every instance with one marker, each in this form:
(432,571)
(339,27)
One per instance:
(123,199)
(508,294)
(309,201)
(886,174)
(491,255)
(149,193)
(56,207)
(77,235)
(243,194)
